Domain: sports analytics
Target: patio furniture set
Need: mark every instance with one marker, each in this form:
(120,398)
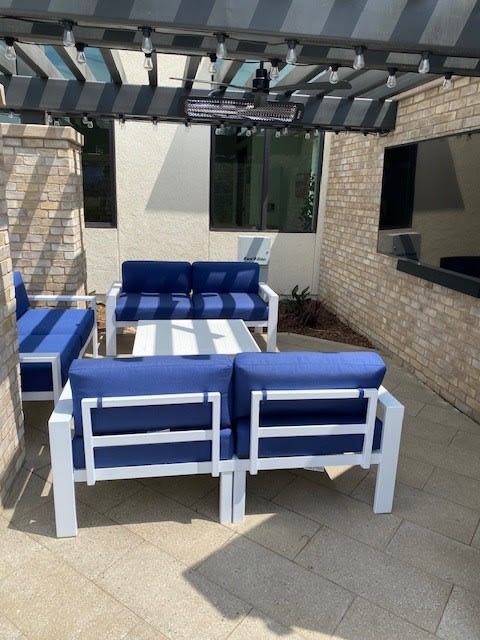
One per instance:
(197,397)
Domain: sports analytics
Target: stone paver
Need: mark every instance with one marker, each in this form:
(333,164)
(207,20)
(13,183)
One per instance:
(311,561)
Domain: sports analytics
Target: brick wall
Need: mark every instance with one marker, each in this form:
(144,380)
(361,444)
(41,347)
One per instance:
(433,330)
(44,195)
(12,448)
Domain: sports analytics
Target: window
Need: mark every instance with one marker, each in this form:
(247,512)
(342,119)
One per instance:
(430,209)
(98,164)
(265,181)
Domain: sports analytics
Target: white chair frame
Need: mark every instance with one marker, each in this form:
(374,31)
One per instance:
(65,475)
(113,325)
(54,358)
(386,458)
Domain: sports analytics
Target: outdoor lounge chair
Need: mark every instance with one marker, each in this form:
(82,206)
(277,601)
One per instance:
(302,410)
(141,417)
(50,338)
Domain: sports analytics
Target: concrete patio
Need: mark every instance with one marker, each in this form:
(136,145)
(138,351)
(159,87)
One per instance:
(311,561)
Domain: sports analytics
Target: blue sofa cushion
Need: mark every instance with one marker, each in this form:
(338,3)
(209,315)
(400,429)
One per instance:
(243,306)
(38,376)
(46,321)
(225,277)
(147,376)
(154,453)
(303,370)
(153,306)
(156,276)
(21,296)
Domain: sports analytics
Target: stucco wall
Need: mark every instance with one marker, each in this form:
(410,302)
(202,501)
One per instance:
(163,193)
(430,328)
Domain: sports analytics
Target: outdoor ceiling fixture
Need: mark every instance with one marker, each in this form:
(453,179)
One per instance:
(221,46)
(80,47)
(68,37)
(242,110)
(148,62)
(10,52)
(424,66)
(359,58)
(447,81)
(291,57)
(333,78)
(274,71)
(212,67)
(147,44)
(392,78)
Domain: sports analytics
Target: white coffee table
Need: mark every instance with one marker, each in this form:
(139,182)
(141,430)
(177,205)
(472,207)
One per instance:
(192,337)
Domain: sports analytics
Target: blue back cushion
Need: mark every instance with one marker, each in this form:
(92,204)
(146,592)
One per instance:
(147,376)
(225,277)
(305,370)
(21,296)
(156,276)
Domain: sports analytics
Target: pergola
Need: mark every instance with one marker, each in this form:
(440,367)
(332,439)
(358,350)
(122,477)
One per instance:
(394,36)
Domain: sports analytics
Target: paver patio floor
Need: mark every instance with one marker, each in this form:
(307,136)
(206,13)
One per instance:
(311,560)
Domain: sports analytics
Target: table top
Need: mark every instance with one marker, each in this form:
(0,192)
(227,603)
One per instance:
(192,337)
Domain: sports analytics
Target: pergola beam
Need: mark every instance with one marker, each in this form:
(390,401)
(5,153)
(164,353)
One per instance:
(35,58)
(111,57)
(166,103)
(81,72)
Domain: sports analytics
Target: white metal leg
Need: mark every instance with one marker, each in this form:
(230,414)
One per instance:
(239,491)
(226,492)
(387,468)
(63,482)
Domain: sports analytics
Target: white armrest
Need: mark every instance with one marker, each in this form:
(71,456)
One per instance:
(110,323)
(63,298)
(63,411)
(265,292)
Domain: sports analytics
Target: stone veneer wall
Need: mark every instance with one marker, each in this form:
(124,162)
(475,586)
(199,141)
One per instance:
(12,447)
(44,191)
(433,330)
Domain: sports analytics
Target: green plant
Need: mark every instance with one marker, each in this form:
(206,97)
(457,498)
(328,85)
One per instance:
(306,212)
(299,299)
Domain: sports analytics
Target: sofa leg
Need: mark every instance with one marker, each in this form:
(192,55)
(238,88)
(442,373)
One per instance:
(226,492)
(63,481)
(387,468)
(239,491)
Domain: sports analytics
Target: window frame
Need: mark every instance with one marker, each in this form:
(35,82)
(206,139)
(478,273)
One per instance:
(269,132)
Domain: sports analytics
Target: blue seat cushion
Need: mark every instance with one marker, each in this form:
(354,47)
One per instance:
(154,453)
(243,306)
(21,296)
(303,370)
(38,376)
(45,321)
(156,276)
(150,375)
(153,306)
(225,277)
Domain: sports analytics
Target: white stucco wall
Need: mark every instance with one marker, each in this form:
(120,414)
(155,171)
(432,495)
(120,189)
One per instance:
(163,184)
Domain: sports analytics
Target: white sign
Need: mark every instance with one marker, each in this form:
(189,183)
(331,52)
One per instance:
(254,249)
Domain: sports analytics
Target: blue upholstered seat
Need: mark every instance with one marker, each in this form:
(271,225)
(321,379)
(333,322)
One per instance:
(37,376)
(225,277)
(46,321)
(148,376)
(153,306)
(154,290)
(47,330)
(304,370)
(243,306)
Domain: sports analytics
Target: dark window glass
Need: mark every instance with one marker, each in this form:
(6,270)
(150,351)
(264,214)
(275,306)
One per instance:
(98,166)
(265,180)
(398,187)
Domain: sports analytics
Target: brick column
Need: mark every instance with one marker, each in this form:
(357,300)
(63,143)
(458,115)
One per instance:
(44,192)
(12,446)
